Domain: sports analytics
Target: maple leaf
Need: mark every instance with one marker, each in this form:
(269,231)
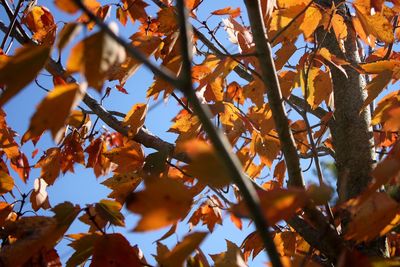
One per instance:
(41,22)
(128,158)
(163,202)
(50,164)
(122,185)
(182,250)
(94,56)
(232,257)
(134,119)
(277,204)
(209,213)
(379,209)
(205,164)
(96,159)
(28,60)
(53,111)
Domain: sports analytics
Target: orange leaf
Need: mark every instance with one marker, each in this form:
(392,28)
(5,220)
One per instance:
(28,60)
(129,158)
(376,86)
(134,119)
(95,56)
(209,213)
(182,250)
(122,184)
(41,22)
(379,210)
(227,11)
(161,203)
(277,204)
(6,183)
(50,164)
(205,164)
(53,111)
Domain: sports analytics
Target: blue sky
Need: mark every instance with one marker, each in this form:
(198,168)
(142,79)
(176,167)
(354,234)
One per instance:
(82,187)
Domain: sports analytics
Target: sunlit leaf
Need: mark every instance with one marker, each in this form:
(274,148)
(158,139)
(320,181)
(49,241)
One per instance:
(163,202)
(28,60)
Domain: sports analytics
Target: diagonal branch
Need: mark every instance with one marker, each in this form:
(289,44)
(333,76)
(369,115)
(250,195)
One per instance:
(220,141)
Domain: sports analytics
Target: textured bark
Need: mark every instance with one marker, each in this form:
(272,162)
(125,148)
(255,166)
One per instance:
(352,135)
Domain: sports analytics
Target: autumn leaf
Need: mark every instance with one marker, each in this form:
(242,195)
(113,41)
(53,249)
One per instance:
(53,111)
(114,250)
(110,211)
(277,204)
(128,158)
(83,244)
(67,33)
(39,197)
(381,212)
(70,7)
(163,202)
(205,164)
(94,57)
(267,147)
(376,86)
(209,213)
(387,111)
(122,184)
(41,22)
(50,164)
(227,11)
(28,60)
(252,245)
(136,9)
(232,257)
(182,250)
(134,119)
(6,183)
(97,160)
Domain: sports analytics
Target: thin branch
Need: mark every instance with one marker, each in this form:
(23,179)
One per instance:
(220,141)
(12,23)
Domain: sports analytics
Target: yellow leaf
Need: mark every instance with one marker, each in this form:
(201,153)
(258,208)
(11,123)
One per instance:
(110,211)
(227,11)
(205,165)
(134,119)
(339,27)
(54,110)
(94,57)
(387,112)
(377,25)
(6,183)
(379,210)
(312,19)
(182,250)
(163,202)
(28,60)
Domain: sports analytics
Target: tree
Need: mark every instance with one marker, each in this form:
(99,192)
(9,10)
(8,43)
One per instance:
(242,116)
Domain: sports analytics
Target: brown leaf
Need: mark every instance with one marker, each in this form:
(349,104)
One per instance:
(114,250)
(28,60)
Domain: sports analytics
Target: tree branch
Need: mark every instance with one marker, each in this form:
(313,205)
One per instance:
(220,141)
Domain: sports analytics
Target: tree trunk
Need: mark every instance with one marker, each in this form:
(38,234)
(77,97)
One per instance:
(351,132)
